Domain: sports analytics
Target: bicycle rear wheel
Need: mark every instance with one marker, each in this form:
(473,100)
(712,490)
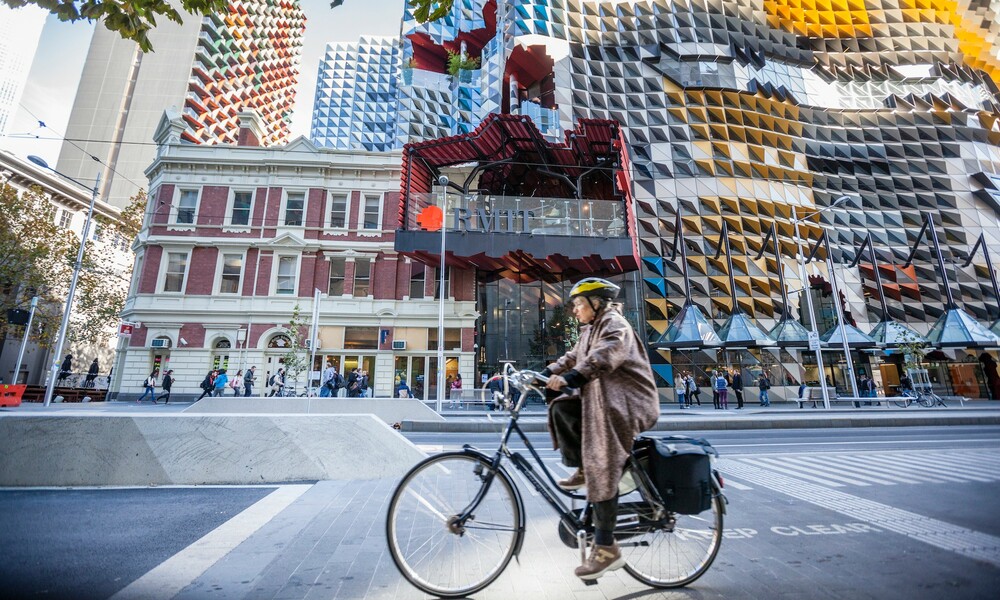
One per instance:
(927,399)
(903,401)
(435,555)
(674,556)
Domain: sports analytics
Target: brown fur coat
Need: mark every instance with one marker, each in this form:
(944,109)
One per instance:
(620,400)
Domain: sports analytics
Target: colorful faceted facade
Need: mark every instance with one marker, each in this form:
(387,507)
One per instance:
(355,105)
(246,58)
(745,113)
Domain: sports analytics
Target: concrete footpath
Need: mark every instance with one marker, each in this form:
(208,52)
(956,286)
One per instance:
(777,416)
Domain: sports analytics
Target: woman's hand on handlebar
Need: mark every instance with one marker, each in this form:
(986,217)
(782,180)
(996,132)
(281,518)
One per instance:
(556,383)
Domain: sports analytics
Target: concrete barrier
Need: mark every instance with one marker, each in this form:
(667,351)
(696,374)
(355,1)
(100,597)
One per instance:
(390,410)
(107,450)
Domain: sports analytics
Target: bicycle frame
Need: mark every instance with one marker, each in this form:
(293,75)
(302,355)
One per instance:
(548,491)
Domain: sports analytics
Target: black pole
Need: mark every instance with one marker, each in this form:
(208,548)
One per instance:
(940,259)
(729,267)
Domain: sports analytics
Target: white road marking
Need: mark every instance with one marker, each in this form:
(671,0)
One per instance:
(963,541)
(180,570)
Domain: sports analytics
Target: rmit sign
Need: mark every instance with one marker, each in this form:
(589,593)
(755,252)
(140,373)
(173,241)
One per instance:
(481,220)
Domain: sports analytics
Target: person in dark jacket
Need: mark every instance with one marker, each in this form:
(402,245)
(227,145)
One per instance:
(737,386)
(168,381)
(65,369)
(248,379)
(92,375)
(208,384)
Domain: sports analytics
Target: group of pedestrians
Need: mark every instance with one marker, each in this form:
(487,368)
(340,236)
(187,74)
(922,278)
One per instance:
(721,381)
(66,369)
(214,384)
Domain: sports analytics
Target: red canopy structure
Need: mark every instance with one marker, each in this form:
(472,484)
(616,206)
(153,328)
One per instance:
(507,156)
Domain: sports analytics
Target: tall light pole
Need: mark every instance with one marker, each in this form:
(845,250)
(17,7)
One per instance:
(61,338)
(24,342)
(813,332)
(443,182)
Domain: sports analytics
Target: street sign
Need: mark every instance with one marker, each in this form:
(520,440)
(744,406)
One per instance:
(814,340)
(126,329)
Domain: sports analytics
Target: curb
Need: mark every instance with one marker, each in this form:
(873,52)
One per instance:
(778,422)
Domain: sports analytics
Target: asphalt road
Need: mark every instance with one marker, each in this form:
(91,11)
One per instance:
(859,513)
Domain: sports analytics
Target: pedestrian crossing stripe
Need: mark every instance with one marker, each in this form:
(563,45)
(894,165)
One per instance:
(863,469)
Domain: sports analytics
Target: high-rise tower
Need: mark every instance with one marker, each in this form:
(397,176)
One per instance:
(20,29)
(210,68)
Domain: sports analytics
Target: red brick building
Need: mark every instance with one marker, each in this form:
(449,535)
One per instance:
(236,237)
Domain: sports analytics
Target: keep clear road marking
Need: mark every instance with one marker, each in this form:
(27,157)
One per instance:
(180,570)
(966,542)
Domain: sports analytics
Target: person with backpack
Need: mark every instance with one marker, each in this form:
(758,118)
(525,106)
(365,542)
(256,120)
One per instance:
(207,384)
(248,380)
(166,384)
(277,382)
(720,389)
(764,384)
(352,384)
(327,384)
(149,387)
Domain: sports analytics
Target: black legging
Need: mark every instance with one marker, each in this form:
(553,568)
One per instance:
(567,427)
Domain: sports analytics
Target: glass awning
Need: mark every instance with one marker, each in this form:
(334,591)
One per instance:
(789,332)
(894,333)
(957,328)
(690,329)
(740,330)
(855,337)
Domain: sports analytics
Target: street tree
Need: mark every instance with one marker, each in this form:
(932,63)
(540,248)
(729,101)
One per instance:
(132,19)
(423,10)
(296,357)
(37,257)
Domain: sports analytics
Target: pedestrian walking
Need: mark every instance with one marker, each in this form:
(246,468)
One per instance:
(92,375)
(221,380)
(65,370)
(363,385)
(693,391)
(456,388)
(277,382)
(352,383)
(764,384)
(723,393)
(149,387)
(680,388)
(737,386)
(166,384)
(207,384)
(327,383)
(248,381)
(237,384)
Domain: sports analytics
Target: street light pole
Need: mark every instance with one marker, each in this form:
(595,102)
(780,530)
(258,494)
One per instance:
(24,342)
(814,333)
(840,318)
(64,326)
(443,182)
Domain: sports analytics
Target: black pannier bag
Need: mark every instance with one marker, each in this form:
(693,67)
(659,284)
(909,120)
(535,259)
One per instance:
(681,470)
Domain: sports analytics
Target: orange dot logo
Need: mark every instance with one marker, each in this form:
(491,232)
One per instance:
(431,218)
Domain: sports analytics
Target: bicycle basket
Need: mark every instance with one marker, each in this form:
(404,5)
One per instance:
(681,469)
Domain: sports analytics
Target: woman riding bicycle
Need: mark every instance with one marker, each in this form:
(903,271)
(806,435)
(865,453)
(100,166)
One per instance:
(617,401)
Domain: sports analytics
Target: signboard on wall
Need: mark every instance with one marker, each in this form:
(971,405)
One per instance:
(126,329)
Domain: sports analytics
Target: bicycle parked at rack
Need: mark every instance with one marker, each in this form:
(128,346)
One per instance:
(457,518)
(925,398)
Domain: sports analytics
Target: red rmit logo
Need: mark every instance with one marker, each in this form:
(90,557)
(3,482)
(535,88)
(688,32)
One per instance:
(431,218)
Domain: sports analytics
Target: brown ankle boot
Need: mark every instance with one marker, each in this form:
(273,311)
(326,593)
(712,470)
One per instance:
(573,482)
(601,560)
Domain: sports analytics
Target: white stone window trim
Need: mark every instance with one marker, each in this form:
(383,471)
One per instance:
(346,259)
(162,277)
(172,224)
(328,228)
(363,211)
(276,261)
(220,265)
(227,223)
(283,212)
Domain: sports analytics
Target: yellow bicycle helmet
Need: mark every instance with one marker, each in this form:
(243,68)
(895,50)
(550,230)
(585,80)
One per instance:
(594,287)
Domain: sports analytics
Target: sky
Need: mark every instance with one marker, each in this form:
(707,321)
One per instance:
(55,72)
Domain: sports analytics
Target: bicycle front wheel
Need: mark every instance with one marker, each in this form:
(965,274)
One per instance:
(438,555)
(675,555)
(926,400)
(903,401)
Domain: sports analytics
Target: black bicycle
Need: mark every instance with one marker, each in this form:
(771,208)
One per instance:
(457,518)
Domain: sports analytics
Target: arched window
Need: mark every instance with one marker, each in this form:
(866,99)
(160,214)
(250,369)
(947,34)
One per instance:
(222,344)
(280,342)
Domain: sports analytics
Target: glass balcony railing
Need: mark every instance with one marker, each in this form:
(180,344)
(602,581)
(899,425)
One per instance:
(518,215)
